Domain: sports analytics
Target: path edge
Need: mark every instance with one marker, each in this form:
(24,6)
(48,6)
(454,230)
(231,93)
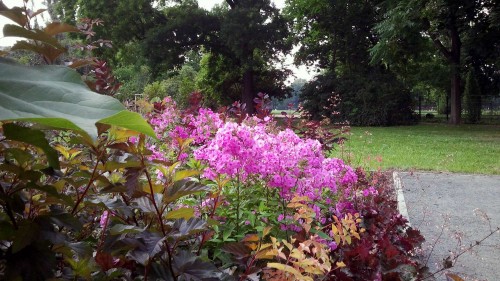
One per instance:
(400,197)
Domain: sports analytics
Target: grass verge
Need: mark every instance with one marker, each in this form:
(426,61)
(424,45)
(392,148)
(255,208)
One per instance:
(430,147)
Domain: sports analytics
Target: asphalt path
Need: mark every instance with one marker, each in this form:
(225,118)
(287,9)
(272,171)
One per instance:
(453,211)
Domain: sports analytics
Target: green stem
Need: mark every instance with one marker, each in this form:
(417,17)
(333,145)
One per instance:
(283,205)
(237,204)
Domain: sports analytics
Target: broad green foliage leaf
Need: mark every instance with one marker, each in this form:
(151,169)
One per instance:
(130,120)
(7,231)
(25,235)
(56,96)
(33,137)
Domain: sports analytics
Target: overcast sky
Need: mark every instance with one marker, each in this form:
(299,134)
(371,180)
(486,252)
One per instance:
(300,72)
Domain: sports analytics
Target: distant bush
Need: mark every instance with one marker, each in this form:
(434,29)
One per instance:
(133,79)
(472,98)
(368,99)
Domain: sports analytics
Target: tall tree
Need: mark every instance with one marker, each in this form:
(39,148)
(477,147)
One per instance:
(124,21)
(248,35)
(337,36)
(445,23)
(333,34)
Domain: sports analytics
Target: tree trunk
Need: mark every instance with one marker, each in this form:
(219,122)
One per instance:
(248,93)
(456,96)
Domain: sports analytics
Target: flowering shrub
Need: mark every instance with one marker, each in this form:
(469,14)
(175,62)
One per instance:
(250,157)
(74,207)
(211,192)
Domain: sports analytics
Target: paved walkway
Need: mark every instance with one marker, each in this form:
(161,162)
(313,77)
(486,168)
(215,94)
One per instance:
(451,209)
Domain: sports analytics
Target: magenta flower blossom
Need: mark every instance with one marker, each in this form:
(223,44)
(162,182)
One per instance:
(104,219)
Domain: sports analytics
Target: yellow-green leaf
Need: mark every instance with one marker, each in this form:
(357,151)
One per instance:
(340,264)
(181,213)
(180,175)
(286,268)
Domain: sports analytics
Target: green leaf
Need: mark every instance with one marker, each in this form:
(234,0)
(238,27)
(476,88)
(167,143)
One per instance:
(56,96)
(33,137)
(21,156)
(130,120)
(181,213)
(113,165)
(180,175)
(25,235)
(321,234)
(7,231)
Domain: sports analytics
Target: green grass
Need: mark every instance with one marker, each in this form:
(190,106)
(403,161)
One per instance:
(428,147)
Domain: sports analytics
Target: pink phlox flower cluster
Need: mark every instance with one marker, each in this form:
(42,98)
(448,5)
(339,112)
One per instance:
(157,153)
(370,191)
(103,222)
(203,126)
(232,151)
(163,121)
(285,161)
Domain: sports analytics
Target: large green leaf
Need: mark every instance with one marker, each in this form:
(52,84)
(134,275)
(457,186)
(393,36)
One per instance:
(57,97)
(33,137)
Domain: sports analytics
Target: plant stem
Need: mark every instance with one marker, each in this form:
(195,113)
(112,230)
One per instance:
(160,219)
(237,204)
(92,178)
(477,243)
(158,213)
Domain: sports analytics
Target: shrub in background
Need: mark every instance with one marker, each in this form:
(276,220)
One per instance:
(373,98)
(472,98)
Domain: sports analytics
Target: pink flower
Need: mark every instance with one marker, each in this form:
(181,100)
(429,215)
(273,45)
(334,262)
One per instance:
(104,219)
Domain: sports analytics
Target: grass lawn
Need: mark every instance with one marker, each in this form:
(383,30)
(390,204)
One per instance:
(430,147)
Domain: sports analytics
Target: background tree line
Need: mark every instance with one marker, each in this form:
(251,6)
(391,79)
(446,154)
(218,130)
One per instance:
(375,56)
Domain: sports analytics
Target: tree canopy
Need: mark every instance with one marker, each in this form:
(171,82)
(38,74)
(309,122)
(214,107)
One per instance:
(337,36)
(416,46)
(464,32)
(244,38)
